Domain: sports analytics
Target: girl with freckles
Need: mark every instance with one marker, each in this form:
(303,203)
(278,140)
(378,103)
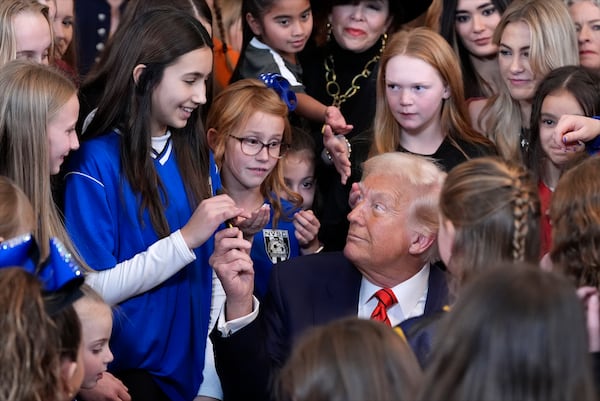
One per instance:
(249,134)
(420,102)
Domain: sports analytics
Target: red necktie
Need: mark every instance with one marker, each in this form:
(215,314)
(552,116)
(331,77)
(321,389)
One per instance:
(386,298)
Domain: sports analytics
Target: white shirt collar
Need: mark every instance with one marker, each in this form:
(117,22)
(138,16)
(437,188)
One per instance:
(162,147)
(411,295)
(284,71)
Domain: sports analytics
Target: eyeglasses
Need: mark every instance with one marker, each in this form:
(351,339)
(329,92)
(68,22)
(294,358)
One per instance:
(252,147)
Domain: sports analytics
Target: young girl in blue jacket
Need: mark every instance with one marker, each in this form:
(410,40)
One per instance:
(248,132)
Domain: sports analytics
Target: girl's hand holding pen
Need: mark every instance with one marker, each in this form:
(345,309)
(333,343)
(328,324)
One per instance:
(207,217)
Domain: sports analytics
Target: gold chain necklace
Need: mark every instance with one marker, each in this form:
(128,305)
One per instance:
(333,87)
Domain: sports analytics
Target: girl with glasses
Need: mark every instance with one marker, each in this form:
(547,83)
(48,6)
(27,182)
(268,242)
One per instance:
(248,132)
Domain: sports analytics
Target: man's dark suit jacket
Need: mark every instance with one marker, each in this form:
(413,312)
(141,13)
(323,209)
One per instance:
(303,292)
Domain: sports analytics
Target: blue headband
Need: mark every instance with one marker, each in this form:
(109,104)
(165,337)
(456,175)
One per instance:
(280,85)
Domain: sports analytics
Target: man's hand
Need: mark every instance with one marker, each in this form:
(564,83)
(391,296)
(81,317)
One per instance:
(231,261)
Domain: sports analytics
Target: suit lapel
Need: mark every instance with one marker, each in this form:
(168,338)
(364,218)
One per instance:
(337,295)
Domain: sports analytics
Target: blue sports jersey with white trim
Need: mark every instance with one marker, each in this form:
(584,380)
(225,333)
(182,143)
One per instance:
(164,330)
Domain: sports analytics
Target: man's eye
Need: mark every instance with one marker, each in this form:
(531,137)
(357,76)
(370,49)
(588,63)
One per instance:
(378,207)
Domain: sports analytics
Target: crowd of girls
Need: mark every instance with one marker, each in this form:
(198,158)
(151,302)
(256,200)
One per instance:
(122,173)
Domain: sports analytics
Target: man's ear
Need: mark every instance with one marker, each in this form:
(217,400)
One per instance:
(254,25)
(137,72)
(419,243)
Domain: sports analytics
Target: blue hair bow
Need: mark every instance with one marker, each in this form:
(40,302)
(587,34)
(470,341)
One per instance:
(280,85)
(21,251)
(215,178)
(58,272)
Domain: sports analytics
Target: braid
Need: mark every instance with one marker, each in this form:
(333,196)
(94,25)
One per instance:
(221,28)
(522,206)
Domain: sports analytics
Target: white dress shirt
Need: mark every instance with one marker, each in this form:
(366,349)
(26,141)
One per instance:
(411,295)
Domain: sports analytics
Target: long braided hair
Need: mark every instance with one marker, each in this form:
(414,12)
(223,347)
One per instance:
(495,210)
(523,204)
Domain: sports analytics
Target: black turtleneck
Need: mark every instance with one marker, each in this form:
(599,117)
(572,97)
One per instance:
(359,110)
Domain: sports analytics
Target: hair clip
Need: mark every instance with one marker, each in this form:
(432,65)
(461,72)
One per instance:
(280,85)
(21,251)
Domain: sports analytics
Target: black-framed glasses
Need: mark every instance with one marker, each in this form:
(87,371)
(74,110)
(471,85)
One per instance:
(252,147)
